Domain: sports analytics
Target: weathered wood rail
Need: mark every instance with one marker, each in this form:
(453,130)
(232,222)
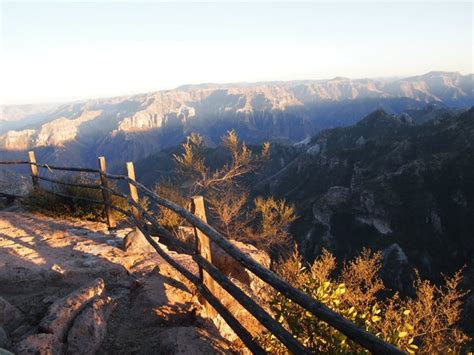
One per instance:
(209,275)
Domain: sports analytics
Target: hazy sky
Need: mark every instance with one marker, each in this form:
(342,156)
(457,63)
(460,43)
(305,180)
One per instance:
(64,51)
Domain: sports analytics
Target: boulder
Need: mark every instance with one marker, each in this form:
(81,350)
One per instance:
(247,281)
(61,313)
(10,316)
(337,195)
(4,342)
(40,344)
(395,271)
(90,327)
(231,267)
(135,242)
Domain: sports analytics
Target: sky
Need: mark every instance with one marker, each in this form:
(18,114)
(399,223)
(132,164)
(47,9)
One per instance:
(62,51)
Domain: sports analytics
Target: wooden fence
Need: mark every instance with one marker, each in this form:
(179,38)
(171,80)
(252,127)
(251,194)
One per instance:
(209,275)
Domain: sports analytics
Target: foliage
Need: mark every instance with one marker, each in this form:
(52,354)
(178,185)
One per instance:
(275,216)
(72,206)
(263,225)
(262,222)
(191,163)
(425,323)
(167,218)
(228,209)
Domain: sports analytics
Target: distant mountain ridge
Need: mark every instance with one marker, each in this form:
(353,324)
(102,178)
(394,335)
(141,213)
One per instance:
(284,111)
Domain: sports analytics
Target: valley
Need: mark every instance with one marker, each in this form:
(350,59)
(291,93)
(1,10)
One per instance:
(133,127)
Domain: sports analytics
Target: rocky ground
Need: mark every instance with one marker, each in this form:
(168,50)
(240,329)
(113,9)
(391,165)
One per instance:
(74,276)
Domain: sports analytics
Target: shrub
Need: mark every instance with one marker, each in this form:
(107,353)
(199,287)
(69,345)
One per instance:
(169,219)
(73,206)
(262,223)
(425,323)
(191,164)
(274,216)
(228,212)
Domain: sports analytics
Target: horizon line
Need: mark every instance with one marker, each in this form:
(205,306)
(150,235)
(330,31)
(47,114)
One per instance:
(260,82)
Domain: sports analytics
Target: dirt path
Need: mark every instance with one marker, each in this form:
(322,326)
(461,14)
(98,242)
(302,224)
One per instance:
(43,259)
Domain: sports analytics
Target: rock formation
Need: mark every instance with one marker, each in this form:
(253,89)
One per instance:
(62,313)
(136,126)
(42,344)
(403,189)
(90,324)
(135,242)
(10,316)
(50,271)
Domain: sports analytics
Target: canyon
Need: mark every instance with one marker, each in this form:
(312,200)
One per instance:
(133,127)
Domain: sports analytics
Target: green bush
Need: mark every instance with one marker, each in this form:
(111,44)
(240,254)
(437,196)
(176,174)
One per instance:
(426,323)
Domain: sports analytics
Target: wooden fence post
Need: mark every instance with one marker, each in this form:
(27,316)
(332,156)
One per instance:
(106,194)
(34,169)
(203,248)
(133,189)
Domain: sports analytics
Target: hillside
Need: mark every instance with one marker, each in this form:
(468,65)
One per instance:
(390,185)
(132,127)
(400,184)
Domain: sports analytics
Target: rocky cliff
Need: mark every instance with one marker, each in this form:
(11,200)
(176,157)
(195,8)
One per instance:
(136,126)
(388,184)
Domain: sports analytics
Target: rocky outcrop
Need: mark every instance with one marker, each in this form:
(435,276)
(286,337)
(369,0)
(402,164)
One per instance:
(62,129)
(18,140)
(90,327)
(76,323)
(231,267)
(4,340)
(10,316)
(49,270)
(396,267)
(54,133)
(433,86)
(5,352)
(403,189)
(62,312)
(41,344)
(164,110)
(135,242)
(247,281)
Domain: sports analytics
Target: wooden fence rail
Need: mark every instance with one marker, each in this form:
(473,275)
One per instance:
(73,184)
(209,274)
(14,162)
